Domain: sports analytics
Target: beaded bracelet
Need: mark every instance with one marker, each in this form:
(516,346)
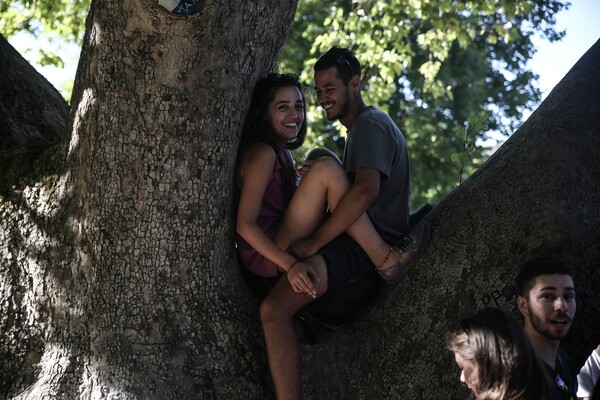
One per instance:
(385,259)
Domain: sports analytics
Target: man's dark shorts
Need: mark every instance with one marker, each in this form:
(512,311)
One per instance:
(351,280)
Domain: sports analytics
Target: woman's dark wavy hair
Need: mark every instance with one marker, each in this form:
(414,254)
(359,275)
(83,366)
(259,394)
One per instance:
(505,364)
(258,129)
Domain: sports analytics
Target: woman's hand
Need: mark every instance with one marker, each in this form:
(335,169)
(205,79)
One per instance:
(304,167)
(300,277)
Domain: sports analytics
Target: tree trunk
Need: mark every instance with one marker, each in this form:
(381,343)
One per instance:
(118,272)
(118,278)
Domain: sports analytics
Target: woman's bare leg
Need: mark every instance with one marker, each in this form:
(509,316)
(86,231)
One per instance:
(277,312)
(321,188)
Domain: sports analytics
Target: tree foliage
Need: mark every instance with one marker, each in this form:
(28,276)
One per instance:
(55,20)
(440,68)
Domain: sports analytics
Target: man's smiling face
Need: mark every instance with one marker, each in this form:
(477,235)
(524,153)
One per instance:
(332,94)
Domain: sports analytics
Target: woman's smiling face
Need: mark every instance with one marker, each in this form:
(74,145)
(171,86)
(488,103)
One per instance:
(286,113)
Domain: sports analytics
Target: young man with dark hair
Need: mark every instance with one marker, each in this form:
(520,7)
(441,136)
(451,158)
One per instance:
(376,162)
(546,298)
(377,165)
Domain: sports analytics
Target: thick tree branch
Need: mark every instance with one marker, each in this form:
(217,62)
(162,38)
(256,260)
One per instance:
(32,112)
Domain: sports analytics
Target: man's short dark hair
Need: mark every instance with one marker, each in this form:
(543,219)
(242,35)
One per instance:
(535,267)
(343,59)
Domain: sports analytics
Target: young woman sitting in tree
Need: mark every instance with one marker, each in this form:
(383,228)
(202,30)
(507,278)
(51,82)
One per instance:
(272,211)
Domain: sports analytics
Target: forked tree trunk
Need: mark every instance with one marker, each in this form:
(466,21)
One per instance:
(117,272)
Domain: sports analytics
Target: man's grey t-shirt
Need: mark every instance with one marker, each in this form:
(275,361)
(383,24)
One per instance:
(374,141)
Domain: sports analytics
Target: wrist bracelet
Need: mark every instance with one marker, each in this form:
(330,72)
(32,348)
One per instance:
(292,266)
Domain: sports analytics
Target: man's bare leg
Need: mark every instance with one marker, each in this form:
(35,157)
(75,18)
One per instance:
(277,312)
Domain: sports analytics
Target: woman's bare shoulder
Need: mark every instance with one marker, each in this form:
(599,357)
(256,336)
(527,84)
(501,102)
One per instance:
(258,155)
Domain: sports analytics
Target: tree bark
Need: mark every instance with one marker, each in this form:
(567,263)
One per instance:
(118,272)
(117,267)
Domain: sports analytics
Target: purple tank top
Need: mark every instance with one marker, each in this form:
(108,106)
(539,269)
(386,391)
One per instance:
(269,220)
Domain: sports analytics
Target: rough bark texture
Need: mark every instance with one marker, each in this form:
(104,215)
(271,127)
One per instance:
(33,117)
(117,275)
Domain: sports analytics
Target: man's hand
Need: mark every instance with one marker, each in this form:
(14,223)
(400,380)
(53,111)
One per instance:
(301,276)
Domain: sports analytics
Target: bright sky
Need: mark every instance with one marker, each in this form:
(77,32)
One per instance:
(551,62)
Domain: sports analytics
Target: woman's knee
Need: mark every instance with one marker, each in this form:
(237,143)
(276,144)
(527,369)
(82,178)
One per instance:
(326,166)
(319,152)
(278,309)
(271,311)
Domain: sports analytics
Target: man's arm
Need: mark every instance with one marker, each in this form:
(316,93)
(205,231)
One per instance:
(351,206)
